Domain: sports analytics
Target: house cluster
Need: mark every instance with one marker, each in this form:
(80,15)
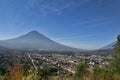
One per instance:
(68,63)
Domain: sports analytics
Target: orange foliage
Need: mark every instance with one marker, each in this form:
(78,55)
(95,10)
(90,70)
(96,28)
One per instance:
(15,72)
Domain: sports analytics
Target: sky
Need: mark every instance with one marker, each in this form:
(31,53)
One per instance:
(85,24)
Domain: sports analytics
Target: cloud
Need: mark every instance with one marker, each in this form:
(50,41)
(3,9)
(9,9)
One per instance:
(56,6)
(95,21)
(75,37)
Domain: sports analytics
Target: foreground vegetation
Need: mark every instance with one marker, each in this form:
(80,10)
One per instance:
(24,71)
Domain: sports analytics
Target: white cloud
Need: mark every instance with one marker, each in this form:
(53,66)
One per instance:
(57,6)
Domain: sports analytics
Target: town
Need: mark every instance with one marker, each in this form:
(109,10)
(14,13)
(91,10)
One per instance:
(68,62)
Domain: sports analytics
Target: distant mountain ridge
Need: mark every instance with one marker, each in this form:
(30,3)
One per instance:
(2,48)
(109,46)
(34,40)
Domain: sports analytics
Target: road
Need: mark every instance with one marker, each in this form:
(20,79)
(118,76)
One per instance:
(32,61)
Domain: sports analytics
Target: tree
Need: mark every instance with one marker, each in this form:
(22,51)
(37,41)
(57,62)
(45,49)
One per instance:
(97,73)
(46,72)
(26,67)
(42,73)
(102,74)
(116,57)
(81,71)
(3,70)
(15,72)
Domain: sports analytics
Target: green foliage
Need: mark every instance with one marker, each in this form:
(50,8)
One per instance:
(81,71)
(51,70)
(102,74)
(46,72)
(26,67)
(3,77)
(116,57)
(97,73)
(3,71)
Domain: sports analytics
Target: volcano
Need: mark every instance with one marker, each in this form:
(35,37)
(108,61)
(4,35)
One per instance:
(35,40)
